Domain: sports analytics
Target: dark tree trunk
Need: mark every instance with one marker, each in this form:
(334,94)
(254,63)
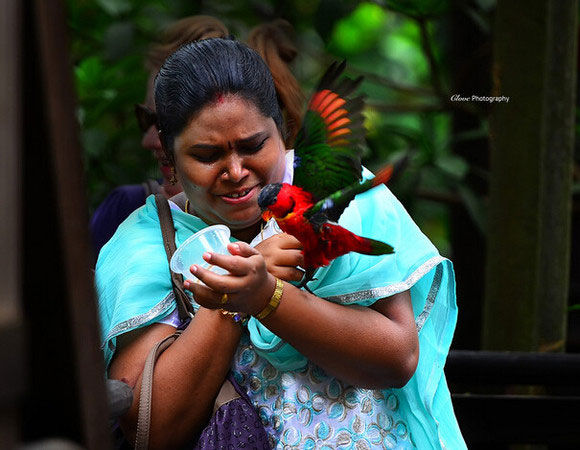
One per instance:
(530,186)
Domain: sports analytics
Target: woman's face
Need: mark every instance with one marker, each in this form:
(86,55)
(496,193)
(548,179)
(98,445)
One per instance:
(226,154)
(150,141)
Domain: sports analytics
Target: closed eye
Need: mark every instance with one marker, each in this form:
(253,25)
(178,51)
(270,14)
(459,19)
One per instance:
(206,153)
(252,147)
(206,157)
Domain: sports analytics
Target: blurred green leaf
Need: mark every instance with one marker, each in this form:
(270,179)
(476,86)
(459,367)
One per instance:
(434,219)
(479,19)
(486,5)
(328,13)
(472,135)
(419,8)
(115,7)
(359,31)
(94,141)
(118,40)
(453,165)
(369,17)
(89,71)
(346,38)
(403,46)
(475,207)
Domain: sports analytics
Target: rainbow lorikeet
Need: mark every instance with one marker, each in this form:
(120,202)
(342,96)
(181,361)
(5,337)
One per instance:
(327,175)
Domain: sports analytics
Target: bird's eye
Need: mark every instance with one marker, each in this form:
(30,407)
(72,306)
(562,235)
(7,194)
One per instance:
(290,209)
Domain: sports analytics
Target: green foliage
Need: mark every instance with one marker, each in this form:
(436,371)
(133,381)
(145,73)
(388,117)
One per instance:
(109,40)
(419,8)
(359,31)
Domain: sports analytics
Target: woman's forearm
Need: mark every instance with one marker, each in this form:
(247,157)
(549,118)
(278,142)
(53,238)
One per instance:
(367,347)
(373,347)
(187,377)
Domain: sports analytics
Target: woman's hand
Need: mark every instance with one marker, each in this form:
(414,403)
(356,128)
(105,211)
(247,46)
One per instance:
(248,286)
(283,252)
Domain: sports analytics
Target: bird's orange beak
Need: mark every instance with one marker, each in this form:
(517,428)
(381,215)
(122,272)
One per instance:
(267,215)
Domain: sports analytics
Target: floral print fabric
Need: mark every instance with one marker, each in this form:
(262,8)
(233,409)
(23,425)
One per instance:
(308,409)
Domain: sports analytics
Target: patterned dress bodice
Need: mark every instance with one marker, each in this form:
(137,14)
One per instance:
(308,409)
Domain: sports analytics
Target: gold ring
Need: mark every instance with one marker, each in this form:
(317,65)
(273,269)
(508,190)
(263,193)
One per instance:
(224,299)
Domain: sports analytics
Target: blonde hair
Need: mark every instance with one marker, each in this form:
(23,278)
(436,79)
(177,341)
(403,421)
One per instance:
(274,44)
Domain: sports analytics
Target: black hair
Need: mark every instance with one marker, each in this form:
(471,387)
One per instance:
(199,71)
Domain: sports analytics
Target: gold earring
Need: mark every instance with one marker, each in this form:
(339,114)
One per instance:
(173,178)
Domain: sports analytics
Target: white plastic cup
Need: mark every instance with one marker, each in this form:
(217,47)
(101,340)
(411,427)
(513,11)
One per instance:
(211,239)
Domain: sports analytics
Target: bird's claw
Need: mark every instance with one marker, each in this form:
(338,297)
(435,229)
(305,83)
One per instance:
(308,277)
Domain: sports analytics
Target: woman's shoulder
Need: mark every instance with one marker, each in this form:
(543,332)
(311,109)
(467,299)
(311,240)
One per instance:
(132,275)
(134,235)
(116,207)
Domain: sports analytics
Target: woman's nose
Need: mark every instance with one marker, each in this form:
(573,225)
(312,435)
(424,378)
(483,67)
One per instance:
(235,170)
(150,139)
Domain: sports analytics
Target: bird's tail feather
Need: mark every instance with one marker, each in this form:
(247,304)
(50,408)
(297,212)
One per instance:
(373,247)
(382,176)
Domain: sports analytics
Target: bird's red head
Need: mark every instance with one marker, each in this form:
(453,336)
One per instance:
(280,199)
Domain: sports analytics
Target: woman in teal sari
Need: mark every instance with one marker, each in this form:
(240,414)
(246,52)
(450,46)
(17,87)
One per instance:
(357,364)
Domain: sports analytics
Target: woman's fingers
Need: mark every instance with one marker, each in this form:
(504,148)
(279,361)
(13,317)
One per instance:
(282,241)
(238,263)
(242,249)
(289,257)
(203,295)
(219,283)
(233,264)
(288,241)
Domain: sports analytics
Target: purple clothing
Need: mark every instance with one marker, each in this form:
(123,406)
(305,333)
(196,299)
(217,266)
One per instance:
(121,202)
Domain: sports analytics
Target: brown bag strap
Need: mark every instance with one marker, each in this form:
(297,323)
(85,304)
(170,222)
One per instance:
(226,394)
(144,419)
(151,187)
(184,306)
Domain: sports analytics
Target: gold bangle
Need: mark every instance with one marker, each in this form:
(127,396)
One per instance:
(274,301)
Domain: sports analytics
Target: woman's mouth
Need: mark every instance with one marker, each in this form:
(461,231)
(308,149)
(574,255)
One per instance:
(241,196)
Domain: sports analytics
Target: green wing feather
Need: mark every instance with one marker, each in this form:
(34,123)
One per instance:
(327,153)
(332,206)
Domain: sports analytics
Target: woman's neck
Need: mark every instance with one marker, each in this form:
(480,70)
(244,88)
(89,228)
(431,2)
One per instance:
(246,234)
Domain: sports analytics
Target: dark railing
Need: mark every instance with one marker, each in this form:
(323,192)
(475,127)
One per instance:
(505,398)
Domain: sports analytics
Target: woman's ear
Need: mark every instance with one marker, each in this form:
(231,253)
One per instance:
(166,153)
